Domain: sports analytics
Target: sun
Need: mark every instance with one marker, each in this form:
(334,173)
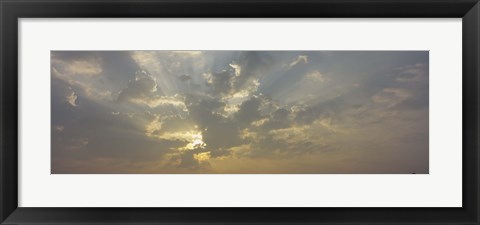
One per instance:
(196,141)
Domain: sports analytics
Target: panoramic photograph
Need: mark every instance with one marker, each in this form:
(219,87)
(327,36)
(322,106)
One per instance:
(239,112)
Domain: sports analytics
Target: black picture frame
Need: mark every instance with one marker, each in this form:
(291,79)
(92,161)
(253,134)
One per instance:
(12,10)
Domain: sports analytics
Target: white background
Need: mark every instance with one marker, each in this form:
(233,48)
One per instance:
(440,188)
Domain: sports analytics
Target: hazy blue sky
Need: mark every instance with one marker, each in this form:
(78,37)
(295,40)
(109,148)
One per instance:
(239,111)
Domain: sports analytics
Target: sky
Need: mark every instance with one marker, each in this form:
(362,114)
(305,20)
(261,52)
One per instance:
(239,112)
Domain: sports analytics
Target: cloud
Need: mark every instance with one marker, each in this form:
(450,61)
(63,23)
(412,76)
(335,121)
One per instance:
(78,70)
(219,82)
(249,111)
(72,98)
(208,112)
(76,144)
(87,66)
(147,59)
(143,90)
(143,86)
(391,96)
(195,161)
(184,77)
(237,68)
(277,120)
(59,128)
(156,101)
(301,59)
(203,110)
(316,76)
(234,100)
(220,136)
(173,68)
(412,73)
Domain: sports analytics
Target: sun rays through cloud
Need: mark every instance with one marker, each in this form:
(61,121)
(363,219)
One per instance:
(299,112)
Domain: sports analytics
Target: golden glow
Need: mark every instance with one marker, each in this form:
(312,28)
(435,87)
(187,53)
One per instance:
(261,112)
(204,156)
(259,122)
